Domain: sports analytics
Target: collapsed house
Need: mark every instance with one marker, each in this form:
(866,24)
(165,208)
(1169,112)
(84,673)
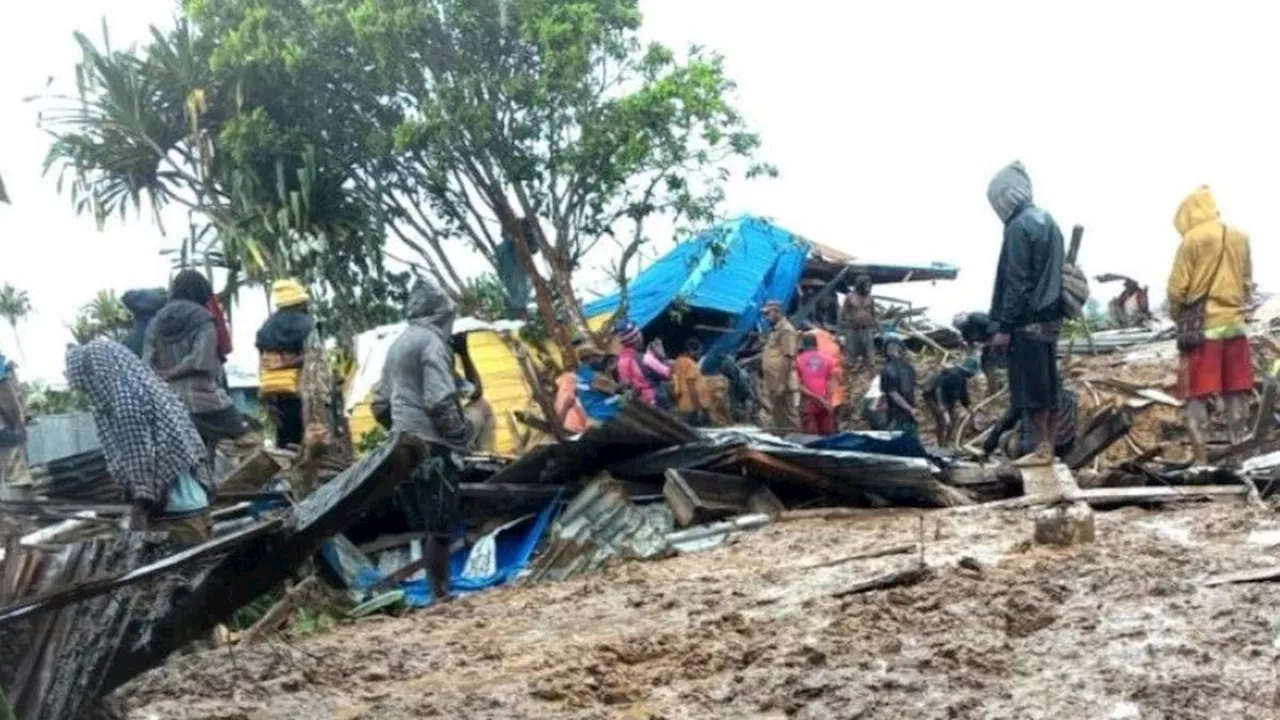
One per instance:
(714,285)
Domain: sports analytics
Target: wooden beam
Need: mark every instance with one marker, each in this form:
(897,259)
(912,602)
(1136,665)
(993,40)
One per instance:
(100,585)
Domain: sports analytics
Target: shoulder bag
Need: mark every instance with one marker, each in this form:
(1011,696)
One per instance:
(1191,319)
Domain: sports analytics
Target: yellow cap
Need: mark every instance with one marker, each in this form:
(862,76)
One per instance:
(288,293)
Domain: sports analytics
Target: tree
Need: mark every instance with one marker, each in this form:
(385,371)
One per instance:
(15,306)
(263,177)
(522,127)
(104,316)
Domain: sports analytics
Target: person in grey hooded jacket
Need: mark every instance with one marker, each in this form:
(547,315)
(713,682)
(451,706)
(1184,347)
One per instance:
(418,394)
(1026,303)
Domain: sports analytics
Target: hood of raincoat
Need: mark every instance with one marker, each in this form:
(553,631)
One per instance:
(143,304)
(1199,208)
(429,306)
(180,319)
(1009,191)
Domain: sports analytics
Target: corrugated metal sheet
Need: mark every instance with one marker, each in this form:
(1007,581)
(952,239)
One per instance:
(601,523)
(722,269)
(57,436)
(636,430)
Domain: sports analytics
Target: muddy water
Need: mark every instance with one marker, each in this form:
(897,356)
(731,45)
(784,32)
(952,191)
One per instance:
(1118,629)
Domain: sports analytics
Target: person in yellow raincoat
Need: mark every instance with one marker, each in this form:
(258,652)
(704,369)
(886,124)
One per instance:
(780,385)
(281,346)
(1212,275)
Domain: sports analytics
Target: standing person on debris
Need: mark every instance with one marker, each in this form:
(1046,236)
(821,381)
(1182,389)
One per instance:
(742,392)
(13,429)
(1027,303)
(419,395)
(975,331)
(151,446)
(686,381)
(858,324)
(898,384)
(947,391)
(829,345)
(1017,444)
(1209,296)
(143,304)
(181,345)
(817,381)
(780,404)
(281,345)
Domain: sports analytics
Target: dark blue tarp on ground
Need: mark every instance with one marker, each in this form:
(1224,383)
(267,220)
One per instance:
(879,443)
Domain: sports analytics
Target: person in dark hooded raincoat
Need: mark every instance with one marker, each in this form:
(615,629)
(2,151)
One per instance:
(418,394)
(181,345)
(143,304)
(1027,303)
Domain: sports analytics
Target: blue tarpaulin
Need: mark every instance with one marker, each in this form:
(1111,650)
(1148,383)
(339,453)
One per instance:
(513,549)
(732,268)
(879,443)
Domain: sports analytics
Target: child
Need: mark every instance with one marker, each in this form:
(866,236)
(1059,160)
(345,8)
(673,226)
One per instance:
(816,372)
(686,381)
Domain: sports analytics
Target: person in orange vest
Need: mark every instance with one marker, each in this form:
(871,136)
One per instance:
(281,345)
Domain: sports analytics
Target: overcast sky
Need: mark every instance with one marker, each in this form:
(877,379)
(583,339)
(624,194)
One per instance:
(885,119)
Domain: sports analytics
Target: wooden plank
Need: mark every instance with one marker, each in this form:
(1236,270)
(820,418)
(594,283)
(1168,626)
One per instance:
(897,578)
(1117,495)
(97,586)
(264,562)
(1245,576)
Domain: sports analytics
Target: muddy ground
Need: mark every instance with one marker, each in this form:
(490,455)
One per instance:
(1122,628)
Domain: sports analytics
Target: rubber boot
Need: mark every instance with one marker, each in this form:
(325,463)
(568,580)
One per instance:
(1197,422)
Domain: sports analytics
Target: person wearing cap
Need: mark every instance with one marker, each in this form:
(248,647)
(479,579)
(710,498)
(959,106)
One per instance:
(780,401)
(858,324)
(975,331)
(898,384)
(633,372)
(947,390)
(281,344)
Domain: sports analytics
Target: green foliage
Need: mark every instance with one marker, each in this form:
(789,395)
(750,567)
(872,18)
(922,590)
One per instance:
(299,133)
(483,298)
(104,316)
(40,399)
(371,440)
(248,152)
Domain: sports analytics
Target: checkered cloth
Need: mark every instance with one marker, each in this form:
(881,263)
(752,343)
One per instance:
(147,436)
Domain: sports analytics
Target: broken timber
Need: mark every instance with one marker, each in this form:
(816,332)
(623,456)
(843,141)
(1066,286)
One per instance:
(1116,496)
(1106,428)
(267,560)
(897,578)
(1245,576)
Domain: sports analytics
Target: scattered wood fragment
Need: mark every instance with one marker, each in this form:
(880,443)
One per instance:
(1244,576)
(279,612)
(829,513)
(1115,496)
(865,555)
(898,578)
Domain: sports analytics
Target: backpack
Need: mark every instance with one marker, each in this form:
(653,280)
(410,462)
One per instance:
(1075,290)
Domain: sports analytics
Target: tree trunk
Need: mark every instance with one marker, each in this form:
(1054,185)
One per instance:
(546,307)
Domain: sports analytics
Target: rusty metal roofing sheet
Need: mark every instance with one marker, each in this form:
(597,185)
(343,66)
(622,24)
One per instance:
(601,523)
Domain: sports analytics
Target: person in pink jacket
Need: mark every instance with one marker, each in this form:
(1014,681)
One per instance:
(638,371)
